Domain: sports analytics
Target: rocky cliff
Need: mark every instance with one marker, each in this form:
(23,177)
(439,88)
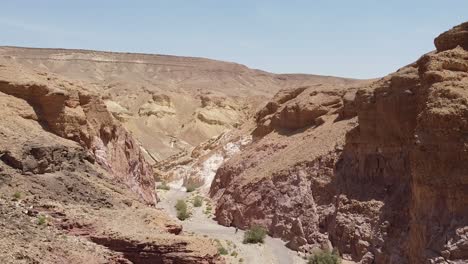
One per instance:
(378,172)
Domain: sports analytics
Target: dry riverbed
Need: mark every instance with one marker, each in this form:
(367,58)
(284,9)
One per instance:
(201,223)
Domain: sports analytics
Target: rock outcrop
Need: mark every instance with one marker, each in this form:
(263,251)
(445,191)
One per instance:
(439,215)
(149,240)
(382,176)
(298,108)
(457,36)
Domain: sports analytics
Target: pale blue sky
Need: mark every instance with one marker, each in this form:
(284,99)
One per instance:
(351,38)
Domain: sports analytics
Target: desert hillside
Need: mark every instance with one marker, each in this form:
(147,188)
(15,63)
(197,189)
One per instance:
(169,103)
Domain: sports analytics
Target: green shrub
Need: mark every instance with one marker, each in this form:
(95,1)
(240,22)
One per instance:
(208,210)
(17,195)
(183,215)
(181,205)
(241,260)
(198,201)
(41,220)
(255,234)
(325,257)
(182,211)
(191,188)
(163,186)
(222,250)
(234,254)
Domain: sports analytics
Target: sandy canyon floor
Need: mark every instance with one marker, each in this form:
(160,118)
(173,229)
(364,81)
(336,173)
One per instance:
(200,223)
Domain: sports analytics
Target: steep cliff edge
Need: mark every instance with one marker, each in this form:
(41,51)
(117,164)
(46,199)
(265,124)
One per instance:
(439,205)
(377,172)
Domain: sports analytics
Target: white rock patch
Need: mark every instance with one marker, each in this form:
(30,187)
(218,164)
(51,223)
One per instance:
(213,163)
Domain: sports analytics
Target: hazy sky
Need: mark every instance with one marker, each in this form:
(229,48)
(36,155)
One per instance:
(351,38)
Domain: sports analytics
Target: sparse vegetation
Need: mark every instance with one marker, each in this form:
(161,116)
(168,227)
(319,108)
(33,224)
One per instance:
(163,186)
(182,210)
(241,260)
(208,207)
(183,215)
(41,220)
(198,201)
(208,210)
(222,250)
(234,254)
(181,205)
(191,188)
(325,257)
(256,234)
(17,196)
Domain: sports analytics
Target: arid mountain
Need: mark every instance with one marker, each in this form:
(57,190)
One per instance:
(169,103)
(378,172)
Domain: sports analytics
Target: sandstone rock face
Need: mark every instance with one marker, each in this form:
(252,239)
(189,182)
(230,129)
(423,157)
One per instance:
(72,113)
(382,177)
(439,216)
(457,36)
(297,108)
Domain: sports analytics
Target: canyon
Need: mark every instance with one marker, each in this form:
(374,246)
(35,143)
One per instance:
(372,169)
